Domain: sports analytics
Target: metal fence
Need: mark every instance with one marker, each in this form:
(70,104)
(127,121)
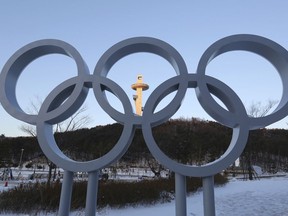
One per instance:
(67,98)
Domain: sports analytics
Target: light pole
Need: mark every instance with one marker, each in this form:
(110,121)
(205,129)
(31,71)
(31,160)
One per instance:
(20,166)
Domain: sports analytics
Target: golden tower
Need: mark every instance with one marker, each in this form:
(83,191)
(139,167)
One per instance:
(139,86)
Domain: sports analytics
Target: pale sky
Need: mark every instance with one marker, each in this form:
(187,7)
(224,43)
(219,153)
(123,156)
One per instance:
(189,26)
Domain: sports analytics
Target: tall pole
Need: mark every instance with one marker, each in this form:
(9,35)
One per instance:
(139,86)
(180,195)
(20,162)
(208,195)
(66,194)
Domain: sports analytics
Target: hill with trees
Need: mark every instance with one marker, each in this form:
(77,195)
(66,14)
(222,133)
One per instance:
(191,141)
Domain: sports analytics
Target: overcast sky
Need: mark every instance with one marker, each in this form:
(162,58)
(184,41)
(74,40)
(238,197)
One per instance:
(190,27)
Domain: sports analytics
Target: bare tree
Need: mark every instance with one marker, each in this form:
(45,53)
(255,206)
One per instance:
(28,129)
(153,165)
(256,110)
(76,121)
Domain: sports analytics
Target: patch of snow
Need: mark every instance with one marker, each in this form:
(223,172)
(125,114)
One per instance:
(258,170)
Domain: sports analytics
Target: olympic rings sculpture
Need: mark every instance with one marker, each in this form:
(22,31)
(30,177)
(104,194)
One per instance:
(67,97)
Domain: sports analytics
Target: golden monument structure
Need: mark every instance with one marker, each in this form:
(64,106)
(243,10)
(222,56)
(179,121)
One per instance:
(139,86)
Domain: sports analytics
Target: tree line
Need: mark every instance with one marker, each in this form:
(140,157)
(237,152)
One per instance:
(190,141)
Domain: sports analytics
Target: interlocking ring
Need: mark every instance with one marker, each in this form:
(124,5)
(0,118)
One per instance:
(75,91)
(130,46)
(271,51)
(67,98)
(22,58)
(235,117)
(229,98)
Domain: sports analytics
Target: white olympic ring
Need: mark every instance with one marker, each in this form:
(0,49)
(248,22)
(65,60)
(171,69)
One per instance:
(239,136)
(67,98)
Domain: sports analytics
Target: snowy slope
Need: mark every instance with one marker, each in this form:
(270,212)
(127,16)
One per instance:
(265,197)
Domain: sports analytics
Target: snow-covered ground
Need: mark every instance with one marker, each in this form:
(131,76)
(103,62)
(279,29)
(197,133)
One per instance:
(265,197)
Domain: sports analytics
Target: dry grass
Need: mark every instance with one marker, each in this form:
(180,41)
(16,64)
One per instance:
(42,197)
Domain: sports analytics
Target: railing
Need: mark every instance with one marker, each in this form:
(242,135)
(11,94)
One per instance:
(68,97)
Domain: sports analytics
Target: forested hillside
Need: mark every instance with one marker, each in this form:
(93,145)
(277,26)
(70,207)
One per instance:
(190,141)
